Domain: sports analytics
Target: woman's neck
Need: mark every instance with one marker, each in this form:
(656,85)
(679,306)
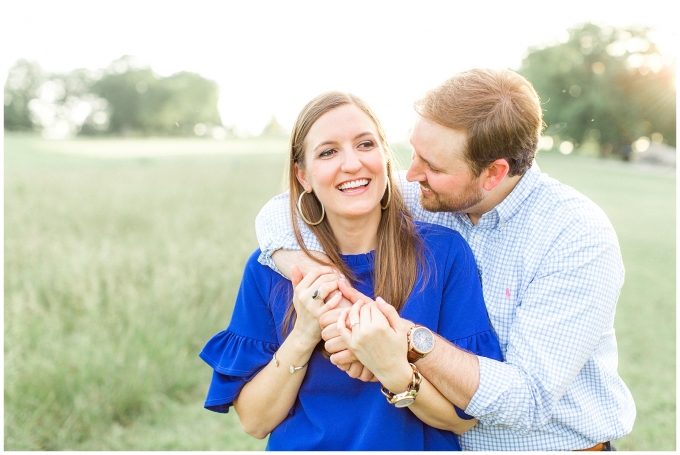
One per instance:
(356,235)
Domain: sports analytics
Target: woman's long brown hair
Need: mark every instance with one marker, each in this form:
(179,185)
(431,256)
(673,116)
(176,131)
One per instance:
(399,249)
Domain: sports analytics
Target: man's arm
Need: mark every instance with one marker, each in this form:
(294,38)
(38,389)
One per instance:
(563,315)
(284,259)
(439,366)
(275,232)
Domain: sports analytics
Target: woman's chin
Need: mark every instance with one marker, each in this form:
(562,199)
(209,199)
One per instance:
(356,213)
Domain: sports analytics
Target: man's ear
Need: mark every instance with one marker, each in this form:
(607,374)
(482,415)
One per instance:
(494,174)
(302,178)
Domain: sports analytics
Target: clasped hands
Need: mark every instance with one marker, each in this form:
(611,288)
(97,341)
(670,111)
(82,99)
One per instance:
(366,338)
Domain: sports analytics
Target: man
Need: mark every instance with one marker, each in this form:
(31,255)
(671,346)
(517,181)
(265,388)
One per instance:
(548,259)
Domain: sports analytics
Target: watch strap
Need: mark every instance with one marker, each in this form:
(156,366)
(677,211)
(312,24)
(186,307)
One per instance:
(409,394)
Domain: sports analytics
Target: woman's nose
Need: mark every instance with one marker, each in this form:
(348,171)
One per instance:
(352,162)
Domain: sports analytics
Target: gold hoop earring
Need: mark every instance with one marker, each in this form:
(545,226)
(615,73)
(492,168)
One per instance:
(299,206)
(389,195)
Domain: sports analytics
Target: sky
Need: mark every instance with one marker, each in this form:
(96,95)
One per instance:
(270,58)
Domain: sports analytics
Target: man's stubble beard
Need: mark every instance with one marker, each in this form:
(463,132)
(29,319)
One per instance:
(469,197)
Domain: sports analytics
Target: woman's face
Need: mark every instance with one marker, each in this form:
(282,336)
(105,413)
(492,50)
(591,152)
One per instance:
(345,163)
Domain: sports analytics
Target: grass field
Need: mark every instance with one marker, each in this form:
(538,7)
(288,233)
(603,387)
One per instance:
(118,270)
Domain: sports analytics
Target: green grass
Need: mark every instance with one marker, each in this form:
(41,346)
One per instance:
(117,271)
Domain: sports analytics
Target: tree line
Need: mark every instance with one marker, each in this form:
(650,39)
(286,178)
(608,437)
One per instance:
(126,98)
(605,86)
(601,86)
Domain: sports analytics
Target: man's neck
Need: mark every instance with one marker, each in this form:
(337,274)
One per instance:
(493,198)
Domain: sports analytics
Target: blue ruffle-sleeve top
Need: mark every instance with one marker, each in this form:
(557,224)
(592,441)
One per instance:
(334,411)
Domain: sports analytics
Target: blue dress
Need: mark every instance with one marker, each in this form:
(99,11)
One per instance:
(334,411)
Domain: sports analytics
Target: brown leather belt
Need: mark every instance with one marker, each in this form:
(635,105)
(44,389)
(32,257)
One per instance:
(596,448)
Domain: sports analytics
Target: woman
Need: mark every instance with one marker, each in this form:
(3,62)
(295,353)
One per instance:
(266,365)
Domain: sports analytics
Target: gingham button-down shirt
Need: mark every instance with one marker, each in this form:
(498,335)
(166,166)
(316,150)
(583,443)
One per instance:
(551,273)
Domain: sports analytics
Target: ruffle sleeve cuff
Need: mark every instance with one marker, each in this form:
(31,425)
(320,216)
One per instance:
(483,344)
(235,360)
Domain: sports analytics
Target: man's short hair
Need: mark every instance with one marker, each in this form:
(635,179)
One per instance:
(499,110)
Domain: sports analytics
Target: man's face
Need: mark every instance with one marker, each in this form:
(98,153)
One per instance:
(446,182)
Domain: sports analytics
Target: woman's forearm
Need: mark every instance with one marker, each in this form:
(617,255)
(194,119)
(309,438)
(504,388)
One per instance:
(266,400)
(430,405)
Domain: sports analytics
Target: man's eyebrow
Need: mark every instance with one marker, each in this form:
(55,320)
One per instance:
(423,159)
(427,162)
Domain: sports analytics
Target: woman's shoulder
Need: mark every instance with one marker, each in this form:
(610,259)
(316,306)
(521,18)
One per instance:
(445,248)
(439,236)
(260,275)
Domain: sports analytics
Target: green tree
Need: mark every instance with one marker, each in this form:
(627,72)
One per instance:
(57,104)
(23,81)
(126,98)
(192,100)
(141,102)
(605,85)
(274,128)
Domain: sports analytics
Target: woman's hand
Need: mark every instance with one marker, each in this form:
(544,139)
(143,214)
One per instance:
(328,321)
(323,281)
(377,342)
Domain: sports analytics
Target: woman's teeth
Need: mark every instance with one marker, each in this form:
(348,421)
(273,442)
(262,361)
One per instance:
(353,184)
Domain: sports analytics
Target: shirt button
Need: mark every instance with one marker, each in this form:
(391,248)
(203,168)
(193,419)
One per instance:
(477,238)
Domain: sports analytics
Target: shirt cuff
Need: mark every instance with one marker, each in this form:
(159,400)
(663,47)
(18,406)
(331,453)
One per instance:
(493,385)
(265,258)
(288,242)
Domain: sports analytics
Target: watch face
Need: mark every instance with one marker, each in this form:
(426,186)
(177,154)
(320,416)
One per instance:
(404,402)
(422,340)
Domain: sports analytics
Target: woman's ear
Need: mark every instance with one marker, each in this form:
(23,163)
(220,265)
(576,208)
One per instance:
(302,178)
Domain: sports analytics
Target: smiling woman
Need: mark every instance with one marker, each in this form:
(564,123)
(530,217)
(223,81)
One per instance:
(339,133)
(268,363)
(346,170)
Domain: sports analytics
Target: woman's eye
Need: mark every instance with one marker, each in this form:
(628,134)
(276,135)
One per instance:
(367,144)
(326,153)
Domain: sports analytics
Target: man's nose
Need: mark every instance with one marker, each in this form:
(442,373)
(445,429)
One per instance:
(415,173)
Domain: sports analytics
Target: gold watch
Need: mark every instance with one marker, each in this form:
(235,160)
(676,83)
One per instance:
(420,343)
(403,399)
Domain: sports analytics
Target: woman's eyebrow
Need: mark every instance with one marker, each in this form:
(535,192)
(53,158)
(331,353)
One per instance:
(330,142)
(365,133)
